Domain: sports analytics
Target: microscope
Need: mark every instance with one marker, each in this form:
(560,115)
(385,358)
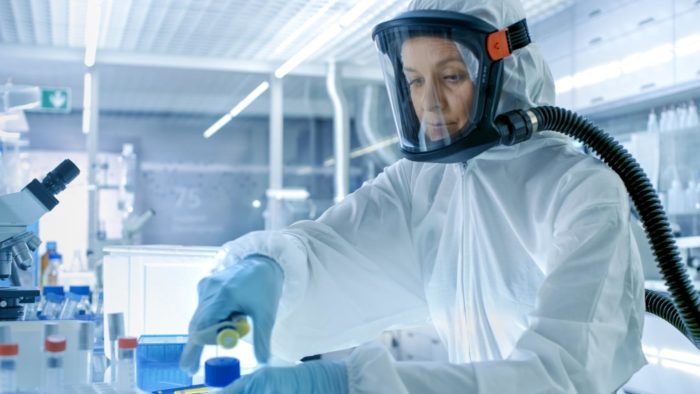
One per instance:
(17,210)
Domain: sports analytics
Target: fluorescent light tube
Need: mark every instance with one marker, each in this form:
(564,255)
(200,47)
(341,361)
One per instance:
(87,102)
(92,31)
(260,89)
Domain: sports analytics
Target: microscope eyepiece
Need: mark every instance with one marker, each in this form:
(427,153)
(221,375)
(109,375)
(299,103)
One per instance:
(54,183)
(56,180)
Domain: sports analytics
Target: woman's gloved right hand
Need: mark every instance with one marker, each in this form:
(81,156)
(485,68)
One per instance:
(251,287)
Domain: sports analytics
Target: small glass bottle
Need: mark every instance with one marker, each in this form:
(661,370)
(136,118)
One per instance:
(126,365)
(99,360)
(53,271)
(652,122)
(84,308)
(31,310)
(54,349)
(676,198)
(51,248)
(220,372)
(83,358)
(70,307)
(8,367)
(52,307)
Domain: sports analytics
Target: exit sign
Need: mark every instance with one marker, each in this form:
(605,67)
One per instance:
(55,99)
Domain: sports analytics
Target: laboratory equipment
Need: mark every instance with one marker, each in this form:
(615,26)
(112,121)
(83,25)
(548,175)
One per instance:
(77,304)
(128,171)
(231,330)
(51,247)
(78,263)
(80,372)
(17,211)
(18,97)
(692,119)
(31,337)
(219,372)
(691,198)
(8,367)
(50,329)
(251,287)
(126,365)
(652,122)
(54,378)
(5,334)
(52,306)
(132,223)
(676,198)
(115,327)
(158,362)
(31,309)
(99,360)
(69,307)
(154,286)
(53,270)
(681,116)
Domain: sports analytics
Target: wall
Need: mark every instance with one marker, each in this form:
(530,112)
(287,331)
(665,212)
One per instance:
(201,189)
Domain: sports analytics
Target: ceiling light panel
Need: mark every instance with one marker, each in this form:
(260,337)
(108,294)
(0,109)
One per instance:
(58,23)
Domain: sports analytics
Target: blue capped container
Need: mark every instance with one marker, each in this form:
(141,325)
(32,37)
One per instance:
(219,372)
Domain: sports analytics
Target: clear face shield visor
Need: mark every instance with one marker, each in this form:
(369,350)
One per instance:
(443,75)
(433,87)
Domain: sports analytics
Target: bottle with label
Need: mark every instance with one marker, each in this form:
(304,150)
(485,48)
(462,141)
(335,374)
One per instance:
(51,248)
(52,304)
(53,271)
(77,304)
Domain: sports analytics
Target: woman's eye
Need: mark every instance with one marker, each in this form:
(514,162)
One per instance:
(415,82)
(453,77)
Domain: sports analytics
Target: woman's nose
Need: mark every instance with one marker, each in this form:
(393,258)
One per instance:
(432,97)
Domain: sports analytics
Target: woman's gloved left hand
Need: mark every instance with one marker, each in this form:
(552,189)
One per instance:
(313,377)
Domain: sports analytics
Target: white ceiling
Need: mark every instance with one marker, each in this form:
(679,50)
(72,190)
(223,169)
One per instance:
(193,55)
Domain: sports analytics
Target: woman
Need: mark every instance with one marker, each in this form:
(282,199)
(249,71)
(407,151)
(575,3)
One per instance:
(520,256)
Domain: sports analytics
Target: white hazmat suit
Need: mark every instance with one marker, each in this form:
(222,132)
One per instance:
(522,258)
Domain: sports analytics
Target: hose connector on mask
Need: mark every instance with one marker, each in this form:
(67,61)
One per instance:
(516,126)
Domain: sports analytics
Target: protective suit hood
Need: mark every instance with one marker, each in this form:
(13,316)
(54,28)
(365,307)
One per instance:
(527,80)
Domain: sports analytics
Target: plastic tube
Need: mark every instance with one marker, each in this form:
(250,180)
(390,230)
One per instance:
(54,349)
(8,367)
(126,364)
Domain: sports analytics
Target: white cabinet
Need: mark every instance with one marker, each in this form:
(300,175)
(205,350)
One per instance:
(687,61)
(598,33)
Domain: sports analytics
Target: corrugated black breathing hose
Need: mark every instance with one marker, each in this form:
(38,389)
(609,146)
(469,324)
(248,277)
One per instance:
(682,307)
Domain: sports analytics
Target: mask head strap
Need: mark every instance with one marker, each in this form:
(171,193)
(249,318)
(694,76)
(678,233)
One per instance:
(502,43)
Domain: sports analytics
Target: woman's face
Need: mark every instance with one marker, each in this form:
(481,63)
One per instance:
(440,85)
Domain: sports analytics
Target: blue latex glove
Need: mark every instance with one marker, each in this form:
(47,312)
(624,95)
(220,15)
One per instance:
(314,377)
(252,287)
